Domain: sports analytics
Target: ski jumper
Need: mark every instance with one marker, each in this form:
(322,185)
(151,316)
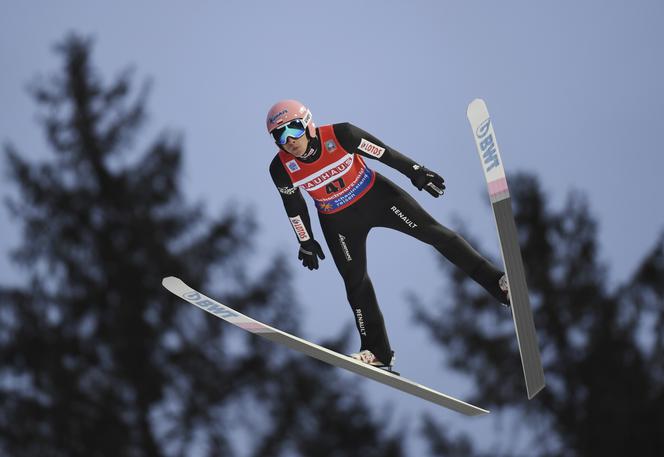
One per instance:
(351,199)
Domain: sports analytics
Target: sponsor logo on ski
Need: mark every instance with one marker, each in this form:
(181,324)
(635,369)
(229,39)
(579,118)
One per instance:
(488,146)
(209,305)
(293,166)
(360,321)
(371,149)
(403,217)
(344,248)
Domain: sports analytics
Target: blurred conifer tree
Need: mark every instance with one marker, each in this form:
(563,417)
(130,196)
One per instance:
(602,344)
(97,359)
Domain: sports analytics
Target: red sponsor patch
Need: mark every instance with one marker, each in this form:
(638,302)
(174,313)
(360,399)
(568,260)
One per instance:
(370,148)
(300,229)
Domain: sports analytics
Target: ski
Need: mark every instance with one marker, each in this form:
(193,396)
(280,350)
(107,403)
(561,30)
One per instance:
(501,204)
(179,288)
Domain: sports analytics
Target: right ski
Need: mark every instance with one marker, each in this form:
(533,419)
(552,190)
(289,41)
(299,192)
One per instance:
(179,288)
(501,204)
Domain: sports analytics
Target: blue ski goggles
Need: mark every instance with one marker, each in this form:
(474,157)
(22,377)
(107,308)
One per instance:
(294,128)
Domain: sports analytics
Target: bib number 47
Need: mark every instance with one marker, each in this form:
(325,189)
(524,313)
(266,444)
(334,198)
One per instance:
(332,187)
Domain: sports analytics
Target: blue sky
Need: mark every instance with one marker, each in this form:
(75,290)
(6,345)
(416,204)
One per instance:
(574,89)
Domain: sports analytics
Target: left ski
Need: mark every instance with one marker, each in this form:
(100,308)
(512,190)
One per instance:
(501,205)
(179,288)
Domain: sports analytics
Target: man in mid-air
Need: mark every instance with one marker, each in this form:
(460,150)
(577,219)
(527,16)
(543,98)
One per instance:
(351,199)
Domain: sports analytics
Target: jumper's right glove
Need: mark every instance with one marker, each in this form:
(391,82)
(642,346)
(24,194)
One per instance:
(432,182)
(309,253)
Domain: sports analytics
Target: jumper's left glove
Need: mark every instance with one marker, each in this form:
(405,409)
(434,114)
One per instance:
(432,182)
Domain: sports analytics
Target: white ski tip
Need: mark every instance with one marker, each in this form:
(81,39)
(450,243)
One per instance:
(173,284)
(476,107)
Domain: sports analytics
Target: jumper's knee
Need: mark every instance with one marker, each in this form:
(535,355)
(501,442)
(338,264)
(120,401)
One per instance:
(357,287)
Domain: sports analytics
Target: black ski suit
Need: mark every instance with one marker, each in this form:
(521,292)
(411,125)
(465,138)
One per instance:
(384,204)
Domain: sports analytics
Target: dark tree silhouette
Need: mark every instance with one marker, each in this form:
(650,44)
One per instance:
(602,344)
(96,358)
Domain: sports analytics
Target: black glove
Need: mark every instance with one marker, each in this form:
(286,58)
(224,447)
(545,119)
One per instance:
(432,182)
(310,250)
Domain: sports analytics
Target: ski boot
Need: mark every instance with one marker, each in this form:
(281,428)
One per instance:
(368,357)
(504,286)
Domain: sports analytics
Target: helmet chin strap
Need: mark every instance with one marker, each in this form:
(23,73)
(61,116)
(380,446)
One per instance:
(313,145)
